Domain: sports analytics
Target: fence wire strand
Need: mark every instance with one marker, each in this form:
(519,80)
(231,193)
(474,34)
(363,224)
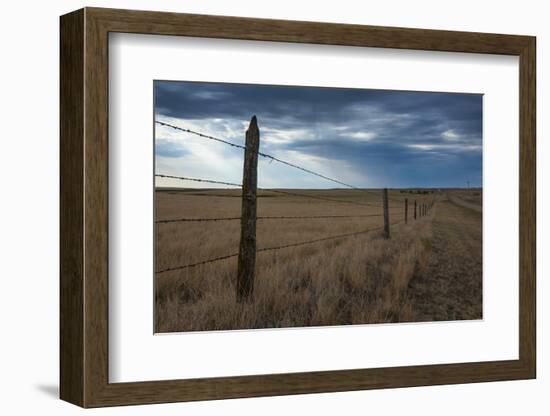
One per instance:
(187,266)
(270,217)
(185,178)
(279,191)
(215,259)
(265,155)
(301,243)
(322,198)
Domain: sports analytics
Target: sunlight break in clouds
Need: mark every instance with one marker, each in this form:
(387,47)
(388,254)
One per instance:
(450,135)
(363,136)
(369,138)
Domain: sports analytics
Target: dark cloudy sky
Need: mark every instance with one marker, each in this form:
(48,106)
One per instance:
(369,138)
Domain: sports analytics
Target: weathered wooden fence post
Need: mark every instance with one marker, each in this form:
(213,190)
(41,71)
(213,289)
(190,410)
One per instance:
(406,209)
(415,209)
(247,247)
(386,214)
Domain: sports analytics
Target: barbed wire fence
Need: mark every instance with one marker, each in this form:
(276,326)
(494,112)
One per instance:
(247,248)
(264,155)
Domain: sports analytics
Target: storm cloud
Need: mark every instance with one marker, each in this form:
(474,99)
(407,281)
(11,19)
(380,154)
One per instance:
(375,138)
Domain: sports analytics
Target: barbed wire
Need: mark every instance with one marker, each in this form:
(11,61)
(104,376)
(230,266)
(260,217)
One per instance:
(186,178)
(325,238)
(284,162)
(187,266)
(279,191)
(318,240)
(205,136)
(205,195)
(168,221)
(266,155)
(301,243)
(272,217)
(200,192)
(280,217)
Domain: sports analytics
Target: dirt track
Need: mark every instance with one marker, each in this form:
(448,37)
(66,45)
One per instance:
(460,202)
(450,288)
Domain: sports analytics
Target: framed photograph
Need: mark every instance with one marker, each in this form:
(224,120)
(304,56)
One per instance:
(255,207)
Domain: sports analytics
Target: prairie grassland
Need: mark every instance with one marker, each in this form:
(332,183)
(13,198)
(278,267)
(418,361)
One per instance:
(354,280)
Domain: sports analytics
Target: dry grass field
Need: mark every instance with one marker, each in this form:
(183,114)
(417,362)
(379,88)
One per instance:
(429,270)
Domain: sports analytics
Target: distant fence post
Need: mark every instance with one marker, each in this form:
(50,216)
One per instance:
(415,209)
(247,247)
(406,210)
(386,214)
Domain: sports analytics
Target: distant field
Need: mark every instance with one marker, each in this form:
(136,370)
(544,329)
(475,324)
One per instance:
(469,199)
(429,270)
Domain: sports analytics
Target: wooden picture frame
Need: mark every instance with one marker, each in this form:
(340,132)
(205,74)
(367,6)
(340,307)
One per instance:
(84,207)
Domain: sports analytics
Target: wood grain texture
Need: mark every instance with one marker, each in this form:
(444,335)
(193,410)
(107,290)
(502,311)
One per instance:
(71,212)
(246,265)
(527,208)
(96,218)
(84,207)
(162,23)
